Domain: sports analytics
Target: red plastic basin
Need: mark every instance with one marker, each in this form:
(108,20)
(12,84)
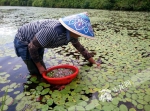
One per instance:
(63,80)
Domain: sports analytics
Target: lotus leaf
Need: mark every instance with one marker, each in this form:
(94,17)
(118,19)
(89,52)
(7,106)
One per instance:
(39,88)
(122,107)
(147,98)
(71,99)
(134,102)
(123,93)
(128,95)
(59,108)
(4,80)
(49,102)
(5,107)
(115,101)
(18,85)
(146,107)
(33,79)
(116,109)
(18,66)
(7,75)
(80,108)
(128,99)
(140,97)
(25,86)
(45,107)
(85,98)
(45,91)
(28,76)
(9,101)
(27,93)
(1,99)
(99,107)
(78,89)
(77,97)
(10,90)
(82,103)
(21,105)
(107,108)
(139,106)
(39,105)
(38,93)
(63,92)
(47,97)
(134,96)
(19,96)
(69,104)
(12,85)
(132,109)
(73,93)
(56,95)
(44,100)
(59,101)
(7,96)
(44,84)
(28,82)
(141,101)
(3,73)
(5,88)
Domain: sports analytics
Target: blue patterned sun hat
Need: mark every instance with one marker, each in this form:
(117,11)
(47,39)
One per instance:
(78,24)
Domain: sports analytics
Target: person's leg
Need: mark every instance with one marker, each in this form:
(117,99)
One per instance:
(22,51)
(31,65)
(33,68)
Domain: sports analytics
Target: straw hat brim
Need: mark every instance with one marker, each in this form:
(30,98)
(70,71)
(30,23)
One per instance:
(74,31)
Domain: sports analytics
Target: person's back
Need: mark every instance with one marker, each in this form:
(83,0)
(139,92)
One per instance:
(27,31)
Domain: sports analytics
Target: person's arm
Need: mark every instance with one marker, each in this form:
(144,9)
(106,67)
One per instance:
(33,47)
(84,52)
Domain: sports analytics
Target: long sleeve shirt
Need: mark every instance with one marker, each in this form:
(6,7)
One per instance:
(46,34)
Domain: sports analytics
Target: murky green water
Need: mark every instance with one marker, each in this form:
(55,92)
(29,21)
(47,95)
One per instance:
(122,83)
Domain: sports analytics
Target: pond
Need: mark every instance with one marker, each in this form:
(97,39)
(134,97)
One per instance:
(122,83)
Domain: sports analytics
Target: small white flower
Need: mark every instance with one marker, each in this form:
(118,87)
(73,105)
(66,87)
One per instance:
(105,95)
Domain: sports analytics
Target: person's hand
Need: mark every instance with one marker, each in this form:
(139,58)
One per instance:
(42,70)
(98,65)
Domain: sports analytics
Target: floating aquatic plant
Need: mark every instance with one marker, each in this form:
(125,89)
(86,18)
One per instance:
(45,91)
(3,106)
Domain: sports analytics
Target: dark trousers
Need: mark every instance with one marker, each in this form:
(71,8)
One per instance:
(32,67)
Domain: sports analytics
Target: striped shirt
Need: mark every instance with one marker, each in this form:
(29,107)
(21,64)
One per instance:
(49,33)
(44,34)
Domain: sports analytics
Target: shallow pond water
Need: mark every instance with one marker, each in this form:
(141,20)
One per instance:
(121,84)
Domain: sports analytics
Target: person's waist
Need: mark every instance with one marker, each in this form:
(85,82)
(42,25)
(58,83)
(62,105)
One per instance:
(21,38)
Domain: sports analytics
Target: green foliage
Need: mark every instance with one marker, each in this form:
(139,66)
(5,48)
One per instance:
(3,101)
(137,5)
